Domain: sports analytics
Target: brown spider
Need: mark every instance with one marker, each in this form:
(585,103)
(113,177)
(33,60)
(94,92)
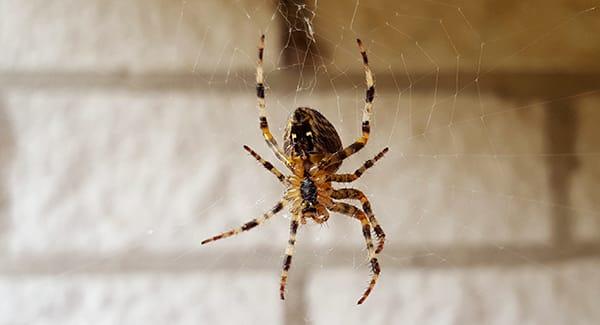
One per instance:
(313,152)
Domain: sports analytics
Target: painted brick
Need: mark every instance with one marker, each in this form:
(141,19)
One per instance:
(118,171)
(198,298)
(136,36)
(532,294)
(87,174)
(114,171)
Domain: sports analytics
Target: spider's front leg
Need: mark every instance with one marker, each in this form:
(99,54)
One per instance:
(262,111)
(351,193)
(355,212)
(366,118)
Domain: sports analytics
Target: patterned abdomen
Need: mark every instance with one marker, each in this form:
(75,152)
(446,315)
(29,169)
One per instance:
(309,133)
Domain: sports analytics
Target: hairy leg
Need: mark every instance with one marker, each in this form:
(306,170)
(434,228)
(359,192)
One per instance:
(266,164)
(289,252)
(346,178)
(248,225)
(355,212)
(351,193)
(262,111)
(366,118)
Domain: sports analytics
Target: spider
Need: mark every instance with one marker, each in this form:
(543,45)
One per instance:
(313,152)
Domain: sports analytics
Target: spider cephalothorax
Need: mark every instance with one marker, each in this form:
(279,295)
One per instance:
(313,152)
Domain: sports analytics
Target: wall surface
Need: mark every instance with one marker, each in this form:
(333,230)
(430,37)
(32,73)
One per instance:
(121,133)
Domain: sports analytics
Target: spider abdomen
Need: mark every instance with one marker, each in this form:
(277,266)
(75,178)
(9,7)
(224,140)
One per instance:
(308,134)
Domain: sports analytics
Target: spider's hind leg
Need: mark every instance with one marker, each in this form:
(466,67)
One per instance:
(355,212)
(351,193)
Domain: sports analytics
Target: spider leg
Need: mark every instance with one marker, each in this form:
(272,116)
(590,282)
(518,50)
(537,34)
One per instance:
(289,252)
(351,193)
(266,164)
(248,225)
(346,178)
(366,118)
(262,111)
(355,212)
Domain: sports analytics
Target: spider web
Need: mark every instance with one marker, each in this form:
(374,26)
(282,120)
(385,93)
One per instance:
(465,183)
(455,196)
(415,116)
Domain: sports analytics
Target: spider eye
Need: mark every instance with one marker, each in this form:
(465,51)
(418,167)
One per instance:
(302,138)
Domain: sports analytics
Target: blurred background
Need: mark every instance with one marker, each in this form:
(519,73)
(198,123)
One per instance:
(121,133)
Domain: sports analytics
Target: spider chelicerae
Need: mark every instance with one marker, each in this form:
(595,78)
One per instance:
(313,152)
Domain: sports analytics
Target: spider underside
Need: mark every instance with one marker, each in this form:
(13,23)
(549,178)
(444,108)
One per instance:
(313,152)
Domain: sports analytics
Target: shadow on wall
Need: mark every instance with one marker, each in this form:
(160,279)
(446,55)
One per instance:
(561,131)
(561,137)
(7,145)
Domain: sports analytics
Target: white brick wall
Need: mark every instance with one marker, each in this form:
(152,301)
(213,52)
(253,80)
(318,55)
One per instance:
(197,298)
(143,170)
(136,36)
(120,150)
(542,294)
(161,171)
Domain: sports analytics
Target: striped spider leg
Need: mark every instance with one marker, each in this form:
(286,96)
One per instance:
(355,212)
(257,221)
(268,165)
(350,193)
(248,225)
(289,252)
(313,152)
(262,110)
(366,118)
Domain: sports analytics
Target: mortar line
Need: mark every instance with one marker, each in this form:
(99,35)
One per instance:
(508,85)
(436,257)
